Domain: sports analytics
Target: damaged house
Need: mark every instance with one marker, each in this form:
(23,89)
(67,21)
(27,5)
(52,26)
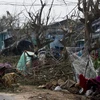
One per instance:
(96,28)
(55,32)
(6,39)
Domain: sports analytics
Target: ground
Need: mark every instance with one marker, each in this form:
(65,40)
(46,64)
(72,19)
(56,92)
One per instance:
(27,92)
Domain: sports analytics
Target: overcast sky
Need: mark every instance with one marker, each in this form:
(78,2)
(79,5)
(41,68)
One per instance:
(59,11)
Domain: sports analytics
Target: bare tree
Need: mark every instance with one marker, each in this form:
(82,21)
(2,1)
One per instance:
(39,25)
(91,12)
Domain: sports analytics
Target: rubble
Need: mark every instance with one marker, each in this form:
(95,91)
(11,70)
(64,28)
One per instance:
(54,75)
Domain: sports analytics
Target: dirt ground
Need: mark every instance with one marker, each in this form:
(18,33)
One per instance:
(27,92)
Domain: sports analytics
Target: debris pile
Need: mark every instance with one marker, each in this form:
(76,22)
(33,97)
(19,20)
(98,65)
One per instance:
(70,76)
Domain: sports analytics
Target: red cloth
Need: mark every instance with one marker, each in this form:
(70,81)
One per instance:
(83,82)
(95,83)
(88,83)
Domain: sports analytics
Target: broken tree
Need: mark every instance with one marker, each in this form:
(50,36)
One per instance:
(91,12)
(39,25)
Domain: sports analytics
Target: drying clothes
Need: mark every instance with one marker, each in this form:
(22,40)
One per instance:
(92,83)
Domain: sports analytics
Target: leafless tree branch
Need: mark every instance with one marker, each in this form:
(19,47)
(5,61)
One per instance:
(48,16)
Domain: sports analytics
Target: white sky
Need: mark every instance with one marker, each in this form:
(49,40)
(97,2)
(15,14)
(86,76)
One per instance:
(58,12)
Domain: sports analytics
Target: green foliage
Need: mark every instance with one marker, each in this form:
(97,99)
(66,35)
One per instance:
(97,63)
